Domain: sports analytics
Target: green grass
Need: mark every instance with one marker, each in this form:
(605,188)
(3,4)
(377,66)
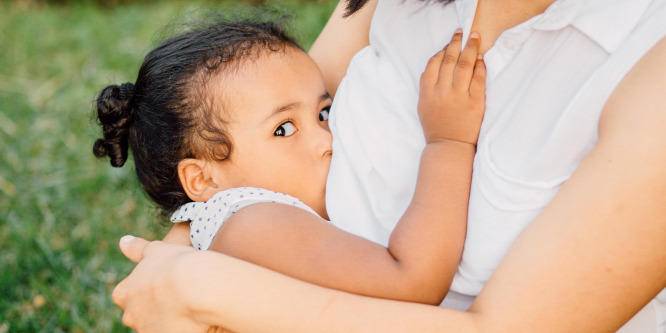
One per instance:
(61,210)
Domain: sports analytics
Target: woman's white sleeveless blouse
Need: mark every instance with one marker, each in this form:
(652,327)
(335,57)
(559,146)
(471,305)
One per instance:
(548,79)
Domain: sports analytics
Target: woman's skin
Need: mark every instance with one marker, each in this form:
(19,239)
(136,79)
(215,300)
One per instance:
(494,17)
(339,41)
(588,263)
(342,37)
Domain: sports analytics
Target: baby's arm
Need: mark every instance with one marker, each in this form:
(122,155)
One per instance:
(425,248)
(178,234)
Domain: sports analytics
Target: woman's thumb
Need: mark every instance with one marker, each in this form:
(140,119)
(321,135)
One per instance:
(133,247)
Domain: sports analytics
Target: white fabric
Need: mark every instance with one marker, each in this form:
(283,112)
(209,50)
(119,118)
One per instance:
(548,79)
(206,218)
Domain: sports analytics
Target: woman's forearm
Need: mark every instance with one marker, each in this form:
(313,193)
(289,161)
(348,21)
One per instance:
(254,299)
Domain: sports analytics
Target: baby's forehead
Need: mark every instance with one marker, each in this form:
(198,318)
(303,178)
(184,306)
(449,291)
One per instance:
(251,63)
(268,73)
(260,54)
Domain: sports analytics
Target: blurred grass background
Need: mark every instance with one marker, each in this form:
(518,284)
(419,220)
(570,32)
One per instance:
(62,211)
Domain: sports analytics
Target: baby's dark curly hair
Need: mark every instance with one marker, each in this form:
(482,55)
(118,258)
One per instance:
(167,115)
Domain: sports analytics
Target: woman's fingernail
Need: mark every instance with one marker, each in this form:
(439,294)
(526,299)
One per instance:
(474,35)
(459,31)
(126,239)
(480,56)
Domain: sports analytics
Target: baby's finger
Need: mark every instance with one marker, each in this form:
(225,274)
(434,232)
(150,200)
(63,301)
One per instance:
(477,88)
(465,68)
(431,71)
(450,59)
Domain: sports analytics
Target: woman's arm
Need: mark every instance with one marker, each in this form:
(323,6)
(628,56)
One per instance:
(596,254)
(175,288)
(425,248)
(340,40)
(592,259)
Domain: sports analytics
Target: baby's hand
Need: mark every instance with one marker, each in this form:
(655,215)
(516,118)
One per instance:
(453,92)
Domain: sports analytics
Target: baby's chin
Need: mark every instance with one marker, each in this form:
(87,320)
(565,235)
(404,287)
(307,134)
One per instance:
(324,214)
(321,206)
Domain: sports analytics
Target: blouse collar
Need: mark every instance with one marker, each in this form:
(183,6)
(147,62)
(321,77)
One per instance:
(591,17)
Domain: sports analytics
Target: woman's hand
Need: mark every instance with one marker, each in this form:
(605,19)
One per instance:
(150,295)
(453,92)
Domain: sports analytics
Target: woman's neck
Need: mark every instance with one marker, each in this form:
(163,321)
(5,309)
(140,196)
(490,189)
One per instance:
(495,16)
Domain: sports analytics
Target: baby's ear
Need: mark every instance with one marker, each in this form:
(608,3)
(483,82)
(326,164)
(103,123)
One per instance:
(197,183)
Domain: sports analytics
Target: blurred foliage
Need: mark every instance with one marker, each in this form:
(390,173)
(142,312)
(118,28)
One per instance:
(107,3)
(62,210)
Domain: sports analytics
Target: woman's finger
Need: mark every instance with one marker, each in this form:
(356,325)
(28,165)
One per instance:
(133,247)
(465,68)
(450,59)
(119,295)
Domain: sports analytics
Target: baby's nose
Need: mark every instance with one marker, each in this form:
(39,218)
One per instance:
(324,142)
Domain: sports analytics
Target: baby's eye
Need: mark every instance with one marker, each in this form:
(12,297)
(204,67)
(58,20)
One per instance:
(286,129)
(323,114)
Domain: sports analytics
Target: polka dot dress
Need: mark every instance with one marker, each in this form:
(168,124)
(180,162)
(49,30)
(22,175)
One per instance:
(206,218)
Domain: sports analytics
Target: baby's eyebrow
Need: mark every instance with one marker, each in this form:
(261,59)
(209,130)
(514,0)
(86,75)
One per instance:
(290,106)
(282,108)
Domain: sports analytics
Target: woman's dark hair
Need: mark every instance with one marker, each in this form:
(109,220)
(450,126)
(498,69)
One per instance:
(167,115)
(354,5)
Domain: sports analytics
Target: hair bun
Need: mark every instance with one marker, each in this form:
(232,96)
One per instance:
(126,91)
(116,115)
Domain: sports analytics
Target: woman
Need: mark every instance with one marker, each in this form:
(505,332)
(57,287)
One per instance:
(566,221)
